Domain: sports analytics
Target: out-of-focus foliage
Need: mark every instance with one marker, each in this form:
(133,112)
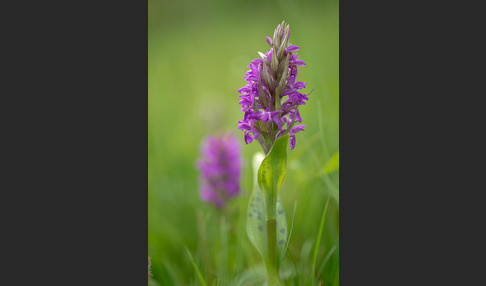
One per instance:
(198,52)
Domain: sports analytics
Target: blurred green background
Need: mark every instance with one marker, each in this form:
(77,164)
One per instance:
(198,53)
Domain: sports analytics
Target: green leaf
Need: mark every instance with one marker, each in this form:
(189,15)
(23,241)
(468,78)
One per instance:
(256,227)
(271,174)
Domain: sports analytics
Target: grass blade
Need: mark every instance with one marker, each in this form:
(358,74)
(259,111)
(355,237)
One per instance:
(328,256)
(318,242)
(290,233)
(195,267)
(331,165)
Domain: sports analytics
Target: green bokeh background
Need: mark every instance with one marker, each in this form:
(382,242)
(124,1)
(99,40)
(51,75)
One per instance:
(198,53)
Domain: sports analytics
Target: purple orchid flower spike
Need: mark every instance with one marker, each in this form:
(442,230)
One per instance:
(271,97)
(220,168)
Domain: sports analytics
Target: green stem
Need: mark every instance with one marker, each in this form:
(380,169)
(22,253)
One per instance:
(271,265)
(272,242)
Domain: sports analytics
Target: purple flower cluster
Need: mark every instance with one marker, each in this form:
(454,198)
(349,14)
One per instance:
(220,168)
(271,98)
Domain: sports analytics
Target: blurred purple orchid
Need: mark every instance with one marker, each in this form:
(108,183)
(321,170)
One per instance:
(220,168)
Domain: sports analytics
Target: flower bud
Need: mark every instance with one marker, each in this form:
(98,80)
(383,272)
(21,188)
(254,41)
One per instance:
(267,78)
(280,86)
(269,41)
(283,66)
(264,58)
(274,63)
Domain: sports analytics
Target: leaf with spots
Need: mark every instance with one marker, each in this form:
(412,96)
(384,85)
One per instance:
(256,228)
(282,230)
